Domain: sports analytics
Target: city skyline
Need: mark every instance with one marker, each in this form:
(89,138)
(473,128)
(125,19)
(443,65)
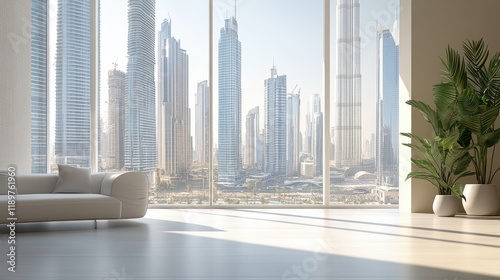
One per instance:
(191,21)
(245,5)
(159,112)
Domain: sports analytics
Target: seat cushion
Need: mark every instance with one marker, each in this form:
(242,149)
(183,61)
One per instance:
(60,207)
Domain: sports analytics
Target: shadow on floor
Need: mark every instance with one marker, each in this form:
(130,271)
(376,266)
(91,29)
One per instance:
(149,249)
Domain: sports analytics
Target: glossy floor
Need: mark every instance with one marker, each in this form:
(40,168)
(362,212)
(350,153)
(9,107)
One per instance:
(251,244)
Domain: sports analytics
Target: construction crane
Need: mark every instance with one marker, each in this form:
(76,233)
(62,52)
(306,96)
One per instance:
(115,63)
(295,89)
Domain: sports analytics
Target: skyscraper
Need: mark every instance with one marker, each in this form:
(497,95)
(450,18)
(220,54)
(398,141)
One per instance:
(316,128)
(202,115)
(175,151)
(293,134)
(387,143)
(39,91)
(115,146)
(307,144)
(72,143)
(252,138)
(317,143)
(348,102)
(140,117)
(260,149)
(229,118)
(275,124)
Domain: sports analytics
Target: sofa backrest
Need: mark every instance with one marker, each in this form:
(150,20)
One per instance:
(28,184)
(42,183)
(96,178)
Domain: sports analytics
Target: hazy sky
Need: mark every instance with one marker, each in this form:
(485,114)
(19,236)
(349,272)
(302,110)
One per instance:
(288,32)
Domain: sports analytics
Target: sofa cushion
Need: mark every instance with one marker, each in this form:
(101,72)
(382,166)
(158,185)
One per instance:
(73,180)
(61,207)
(3,181)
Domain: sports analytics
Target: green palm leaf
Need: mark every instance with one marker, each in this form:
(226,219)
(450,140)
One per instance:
(428,113)
(423,176)
(424,164)
(454,71)
(468,103)
(489,139)
(458,160)
(493,73)
(445,94)
(482,122)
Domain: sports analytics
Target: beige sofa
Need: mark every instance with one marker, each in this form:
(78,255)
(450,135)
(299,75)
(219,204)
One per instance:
(112,196)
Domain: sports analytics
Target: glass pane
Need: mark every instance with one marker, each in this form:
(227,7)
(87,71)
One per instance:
(268,112)
(70,90)
(39,86)
(364,118)
(154,67)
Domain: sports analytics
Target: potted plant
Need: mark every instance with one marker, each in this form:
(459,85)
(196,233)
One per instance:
(441,160)
(474,83)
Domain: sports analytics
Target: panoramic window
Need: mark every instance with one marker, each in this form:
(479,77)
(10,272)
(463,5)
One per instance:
(155,95)
(70,72)
(268,91)
(249,131)
(364,102)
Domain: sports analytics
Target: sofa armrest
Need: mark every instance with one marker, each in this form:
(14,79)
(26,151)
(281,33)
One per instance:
(131,188)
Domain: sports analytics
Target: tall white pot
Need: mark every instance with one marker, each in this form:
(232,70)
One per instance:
(480,199)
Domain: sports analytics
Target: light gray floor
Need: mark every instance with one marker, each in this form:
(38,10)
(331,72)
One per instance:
(229,244)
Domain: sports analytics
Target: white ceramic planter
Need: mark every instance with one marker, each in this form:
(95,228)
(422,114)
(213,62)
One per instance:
(481,199)
(445,205)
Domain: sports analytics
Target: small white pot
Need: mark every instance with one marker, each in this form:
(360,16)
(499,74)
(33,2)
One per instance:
(480,199)
(445,205)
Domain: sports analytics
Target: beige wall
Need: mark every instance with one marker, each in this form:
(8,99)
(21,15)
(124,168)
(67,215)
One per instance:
(15,84)
(427,28)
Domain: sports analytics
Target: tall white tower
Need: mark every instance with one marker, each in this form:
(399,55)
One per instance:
(202,115)
(347,110)
(293,134)
(229,118)
(174,116)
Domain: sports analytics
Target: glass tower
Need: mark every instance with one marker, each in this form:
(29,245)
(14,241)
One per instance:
(229,127)
(39,91)
(275,124)
(140,117)
(72,143)
(387,110)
